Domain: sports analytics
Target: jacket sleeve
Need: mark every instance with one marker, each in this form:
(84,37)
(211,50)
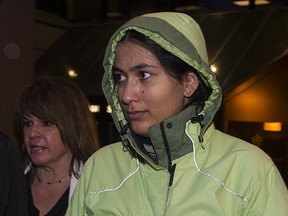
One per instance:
(76,205)
(270,197)
(276,202)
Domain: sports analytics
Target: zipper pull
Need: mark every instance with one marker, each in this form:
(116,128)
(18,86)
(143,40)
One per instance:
(171,171)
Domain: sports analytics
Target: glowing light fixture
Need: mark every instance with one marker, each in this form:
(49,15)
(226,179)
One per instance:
(246,3)
(108,109)
(213,68)
(272,126)
(94,108)
(72,73)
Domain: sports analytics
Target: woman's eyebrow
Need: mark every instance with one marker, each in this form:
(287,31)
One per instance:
(115,68)
(136,67)
(140,66)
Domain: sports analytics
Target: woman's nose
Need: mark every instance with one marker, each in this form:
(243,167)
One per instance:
(35,131)
(129,92)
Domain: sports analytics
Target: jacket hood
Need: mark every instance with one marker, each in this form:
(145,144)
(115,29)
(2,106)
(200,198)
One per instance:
(179,34)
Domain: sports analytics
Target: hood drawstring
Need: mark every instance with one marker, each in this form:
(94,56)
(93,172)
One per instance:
(198,118)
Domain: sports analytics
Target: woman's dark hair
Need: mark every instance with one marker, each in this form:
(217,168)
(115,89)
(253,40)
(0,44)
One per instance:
(62,103)
(173,65)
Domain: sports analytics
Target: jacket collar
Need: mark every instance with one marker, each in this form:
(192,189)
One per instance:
(168,139)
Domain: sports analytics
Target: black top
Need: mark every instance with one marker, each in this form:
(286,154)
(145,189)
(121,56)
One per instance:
(58,209)
(13,190)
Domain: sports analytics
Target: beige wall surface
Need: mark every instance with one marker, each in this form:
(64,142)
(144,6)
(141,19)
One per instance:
(261,98)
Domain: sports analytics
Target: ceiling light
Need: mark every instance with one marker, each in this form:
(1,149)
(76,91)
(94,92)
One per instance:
(108,109)
(72,73)
(272,126)
(247,3)
(94,108)
(213,68)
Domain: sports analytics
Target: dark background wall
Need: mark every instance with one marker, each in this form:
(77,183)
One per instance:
(16,55)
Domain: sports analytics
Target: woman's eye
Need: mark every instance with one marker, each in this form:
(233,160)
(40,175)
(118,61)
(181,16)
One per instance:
(145,75)
(26,123)
(47,123)
(118,77)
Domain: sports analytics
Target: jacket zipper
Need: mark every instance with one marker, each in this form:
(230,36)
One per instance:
(171,168)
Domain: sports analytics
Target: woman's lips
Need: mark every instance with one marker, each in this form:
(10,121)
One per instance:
(36,148)
(135,115)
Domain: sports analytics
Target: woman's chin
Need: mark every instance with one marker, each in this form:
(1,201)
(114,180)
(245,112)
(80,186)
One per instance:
(141,131)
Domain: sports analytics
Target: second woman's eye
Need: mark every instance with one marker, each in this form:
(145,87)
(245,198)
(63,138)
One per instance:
(26,123)
(47,123)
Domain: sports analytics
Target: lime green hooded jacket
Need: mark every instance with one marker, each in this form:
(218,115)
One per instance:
(199,170)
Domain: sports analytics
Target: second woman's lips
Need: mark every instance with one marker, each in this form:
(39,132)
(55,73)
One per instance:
(36,148)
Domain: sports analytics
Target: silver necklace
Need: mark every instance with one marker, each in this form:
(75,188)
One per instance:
(52,182)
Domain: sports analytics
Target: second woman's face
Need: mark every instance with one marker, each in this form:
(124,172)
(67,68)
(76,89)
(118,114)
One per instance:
(43,143)
(147,94)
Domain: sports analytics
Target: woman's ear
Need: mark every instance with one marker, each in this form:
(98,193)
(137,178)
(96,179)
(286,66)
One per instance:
(191,82)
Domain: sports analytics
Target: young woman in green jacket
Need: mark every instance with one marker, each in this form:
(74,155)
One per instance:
(171,161)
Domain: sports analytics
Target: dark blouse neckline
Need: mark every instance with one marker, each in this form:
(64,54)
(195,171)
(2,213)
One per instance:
(58,209)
